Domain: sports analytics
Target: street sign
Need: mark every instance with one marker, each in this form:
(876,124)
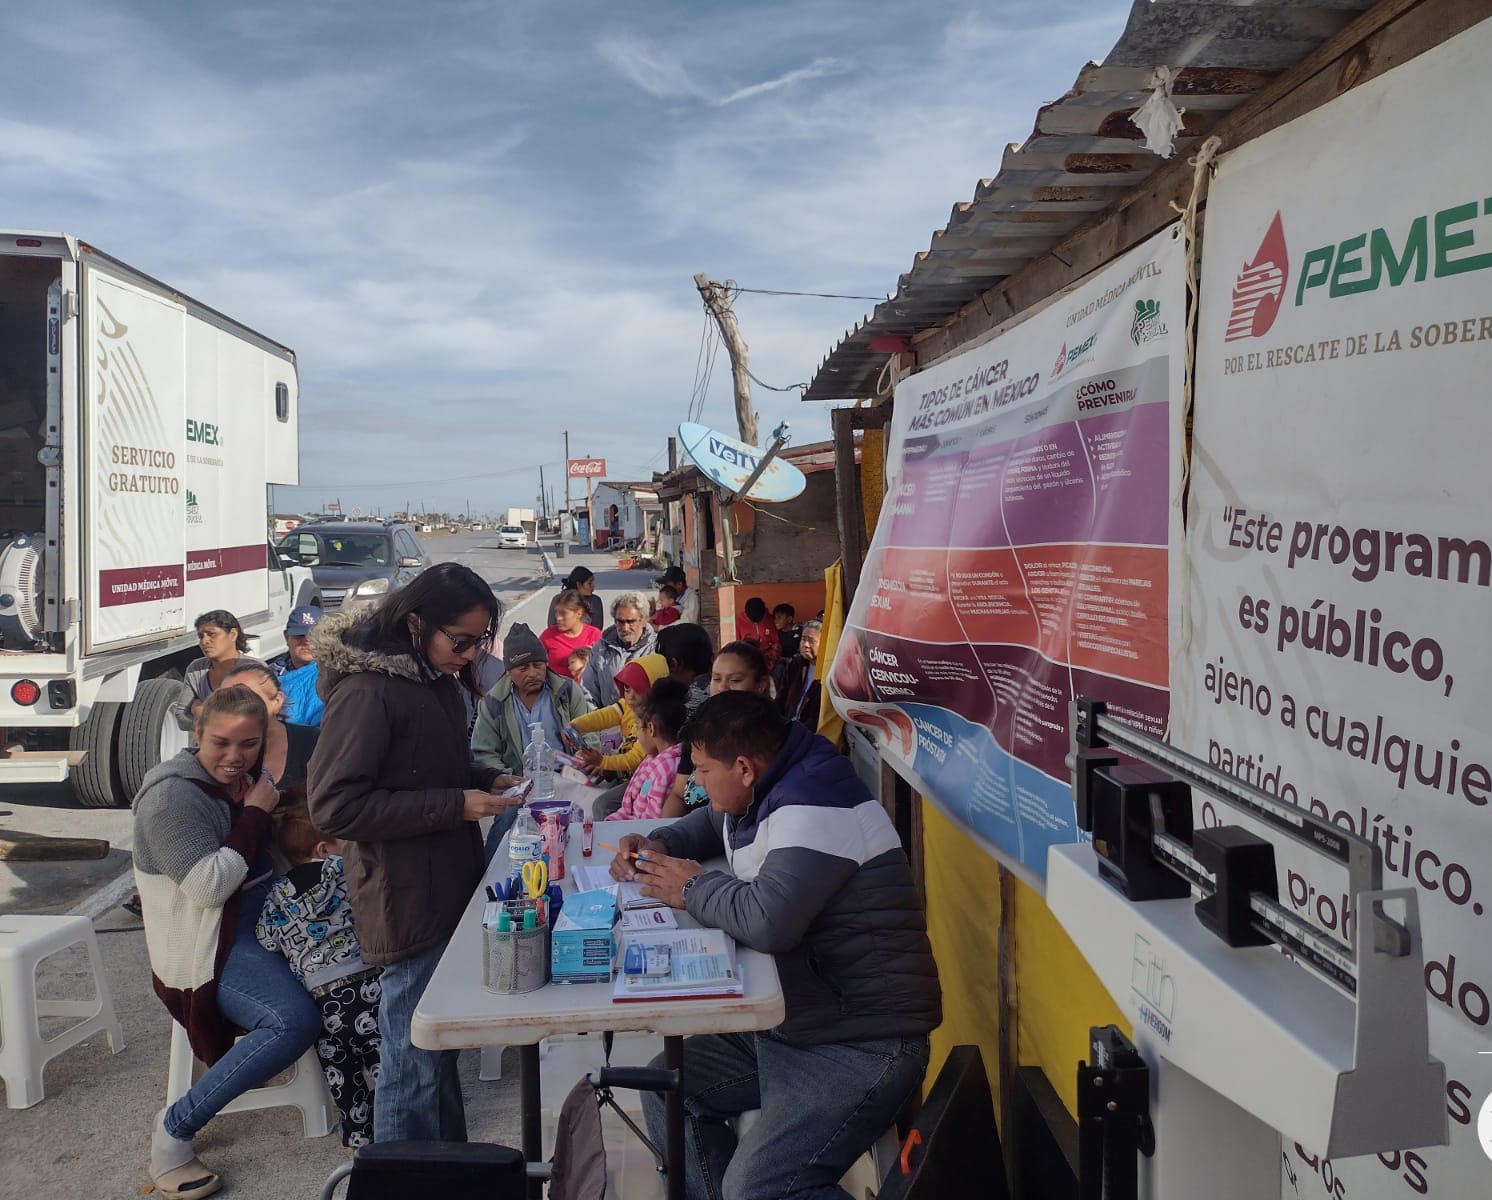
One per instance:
(728,462)
(587,468)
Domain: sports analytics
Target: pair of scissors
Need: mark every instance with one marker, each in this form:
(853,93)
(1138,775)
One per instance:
(535,879)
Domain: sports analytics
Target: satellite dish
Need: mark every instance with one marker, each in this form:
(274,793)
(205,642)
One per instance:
(729,462)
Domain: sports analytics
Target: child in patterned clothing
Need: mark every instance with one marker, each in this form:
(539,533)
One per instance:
(660,719)
(307,917)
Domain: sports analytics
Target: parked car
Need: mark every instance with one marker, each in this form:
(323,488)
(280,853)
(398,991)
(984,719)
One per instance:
(356,561)
(512,537)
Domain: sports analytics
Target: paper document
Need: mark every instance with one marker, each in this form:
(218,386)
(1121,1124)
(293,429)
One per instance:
(640,919)
(703,964)
(628,895)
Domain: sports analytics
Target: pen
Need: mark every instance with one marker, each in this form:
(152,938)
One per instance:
(629,853)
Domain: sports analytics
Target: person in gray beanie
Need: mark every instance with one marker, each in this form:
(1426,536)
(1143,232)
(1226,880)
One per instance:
(529,693)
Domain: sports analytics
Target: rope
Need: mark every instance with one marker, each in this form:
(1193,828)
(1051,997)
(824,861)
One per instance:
(1201,163)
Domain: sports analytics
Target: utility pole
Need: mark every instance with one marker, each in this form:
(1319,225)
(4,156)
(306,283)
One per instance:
(717,298)
(567,477)
(543,499)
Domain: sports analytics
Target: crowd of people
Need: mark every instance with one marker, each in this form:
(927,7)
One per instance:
(303,864)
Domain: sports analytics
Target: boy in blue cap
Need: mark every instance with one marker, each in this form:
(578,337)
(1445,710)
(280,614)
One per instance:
(297,667)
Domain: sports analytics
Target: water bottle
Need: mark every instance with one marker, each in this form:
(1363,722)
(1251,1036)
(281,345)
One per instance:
(524,842)
(538,764)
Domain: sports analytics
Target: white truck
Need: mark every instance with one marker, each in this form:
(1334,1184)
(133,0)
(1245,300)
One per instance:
(139,430)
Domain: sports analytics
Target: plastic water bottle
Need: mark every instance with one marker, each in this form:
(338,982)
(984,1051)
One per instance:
(525,844)
(538,764)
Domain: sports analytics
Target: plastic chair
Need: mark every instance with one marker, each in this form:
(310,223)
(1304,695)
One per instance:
(24,1052)
(305,1089)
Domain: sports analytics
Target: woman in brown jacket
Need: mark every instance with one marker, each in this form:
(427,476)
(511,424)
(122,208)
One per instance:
(392,777)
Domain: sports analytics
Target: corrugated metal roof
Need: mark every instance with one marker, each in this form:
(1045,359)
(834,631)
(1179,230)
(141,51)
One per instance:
(1083,155)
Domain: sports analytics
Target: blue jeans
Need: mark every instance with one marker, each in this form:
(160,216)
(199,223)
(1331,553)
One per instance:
(419,1092)
(280,1021)
(821,1108)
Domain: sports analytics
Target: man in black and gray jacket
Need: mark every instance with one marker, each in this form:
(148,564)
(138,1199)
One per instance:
(819,880)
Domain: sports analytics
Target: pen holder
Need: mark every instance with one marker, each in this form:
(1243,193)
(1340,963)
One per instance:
(516,960)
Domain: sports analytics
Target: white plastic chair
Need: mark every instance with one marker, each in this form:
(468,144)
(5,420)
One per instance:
(24,1053)
(305,1089)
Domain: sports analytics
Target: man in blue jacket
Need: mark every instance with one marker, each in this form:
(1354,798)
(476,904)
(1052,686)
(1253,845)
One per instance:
(297,667)
(819,880)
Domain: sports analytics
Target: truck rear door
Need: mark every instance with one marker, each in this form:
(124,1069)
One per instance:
(134,503)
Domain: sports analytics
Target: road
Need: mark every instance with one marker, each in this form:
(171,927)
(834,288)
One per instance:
(52,809)
(90,1136)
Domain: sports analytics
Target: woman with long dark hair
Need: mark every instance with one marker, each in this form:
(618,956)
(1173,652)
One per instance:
(569,632)
(393,778)
(220,637)
(582,580)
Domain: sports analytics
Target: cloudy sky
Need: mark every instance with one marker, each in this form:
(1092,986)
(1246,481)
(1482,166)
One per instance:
(477,221)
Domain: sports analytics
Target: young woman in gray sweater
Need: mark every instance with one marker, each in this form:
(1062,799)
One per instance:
(202,865)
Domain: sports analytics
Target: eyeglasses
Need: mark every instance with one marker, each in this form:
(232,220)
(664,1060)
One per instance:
(460,645)
(629,620)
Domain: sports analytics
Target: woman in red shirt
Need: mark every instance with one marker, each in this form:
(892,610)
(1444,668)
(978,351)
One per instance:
(755,625)
(569,632)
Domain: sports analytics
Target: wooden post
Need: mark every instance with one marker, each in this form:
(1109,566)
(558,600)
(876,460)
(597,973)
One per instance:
(569,516)
(717,299)
(848,505)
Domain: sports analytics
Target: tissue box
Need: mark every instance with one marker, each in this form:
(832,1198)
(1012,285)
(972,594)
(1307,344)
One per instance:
(581,949)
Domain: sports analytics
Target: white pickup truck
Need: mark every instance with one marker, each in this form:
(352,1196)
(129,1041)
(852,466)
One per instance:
(139,431)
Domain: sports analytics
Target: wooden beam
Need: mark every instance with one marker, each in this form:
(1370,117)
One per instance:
(848,508)
(868,417)
(17,847)
(1384,37)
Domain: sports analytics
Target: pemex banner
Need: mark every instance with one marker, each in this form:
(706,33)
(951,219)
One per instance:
(1339,573)
(1021,557)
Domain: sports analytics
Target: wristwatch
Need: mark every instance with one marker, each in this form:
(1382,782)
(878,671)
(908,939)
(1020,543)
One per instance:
(684,891)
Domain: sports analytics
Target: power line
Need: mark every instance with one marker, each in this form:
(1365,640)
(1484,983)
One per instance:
(736,287)
(797,387)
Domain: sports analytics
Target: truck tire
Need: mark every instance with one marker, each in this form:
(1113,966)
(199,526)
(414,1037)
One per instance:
(148,733)
(96,780)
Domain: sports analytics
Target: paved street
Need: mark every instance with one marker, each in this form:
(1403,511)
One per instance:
(89,1137)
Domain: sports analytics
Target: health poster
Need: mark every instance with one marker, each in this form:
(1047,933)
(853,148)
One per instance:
(1020,559)
(1339,557)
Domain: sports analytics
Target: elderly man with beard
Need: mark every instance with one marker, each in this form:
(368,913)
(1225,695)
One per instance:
(629,636)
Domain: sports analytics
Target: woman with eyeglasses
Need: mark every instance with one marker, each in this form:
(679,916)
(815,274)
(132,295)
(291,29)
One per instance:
(393,779)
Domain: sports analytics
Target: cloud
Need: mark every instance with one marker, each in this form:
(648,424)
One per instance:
(477,236)
(817,69)
(646,67)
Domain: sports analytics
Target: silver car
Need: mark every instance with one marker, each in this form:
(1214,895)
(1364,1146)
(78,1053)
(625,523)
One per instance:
(512,537)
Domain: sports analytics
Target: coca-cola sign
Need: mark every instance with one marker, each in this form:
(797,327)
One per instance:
(587,468)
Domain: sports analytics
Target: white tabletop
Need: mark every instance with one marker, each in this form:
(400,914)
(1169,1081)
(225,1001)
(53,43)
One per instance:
(457,1012)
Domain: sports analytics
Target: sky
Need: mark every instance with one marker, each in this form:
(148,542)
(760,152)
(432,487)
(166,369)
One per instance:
(477,222)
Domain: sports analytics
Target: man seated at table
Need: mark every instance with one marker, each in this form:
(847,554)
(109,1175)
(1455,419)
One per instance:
(819,880)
